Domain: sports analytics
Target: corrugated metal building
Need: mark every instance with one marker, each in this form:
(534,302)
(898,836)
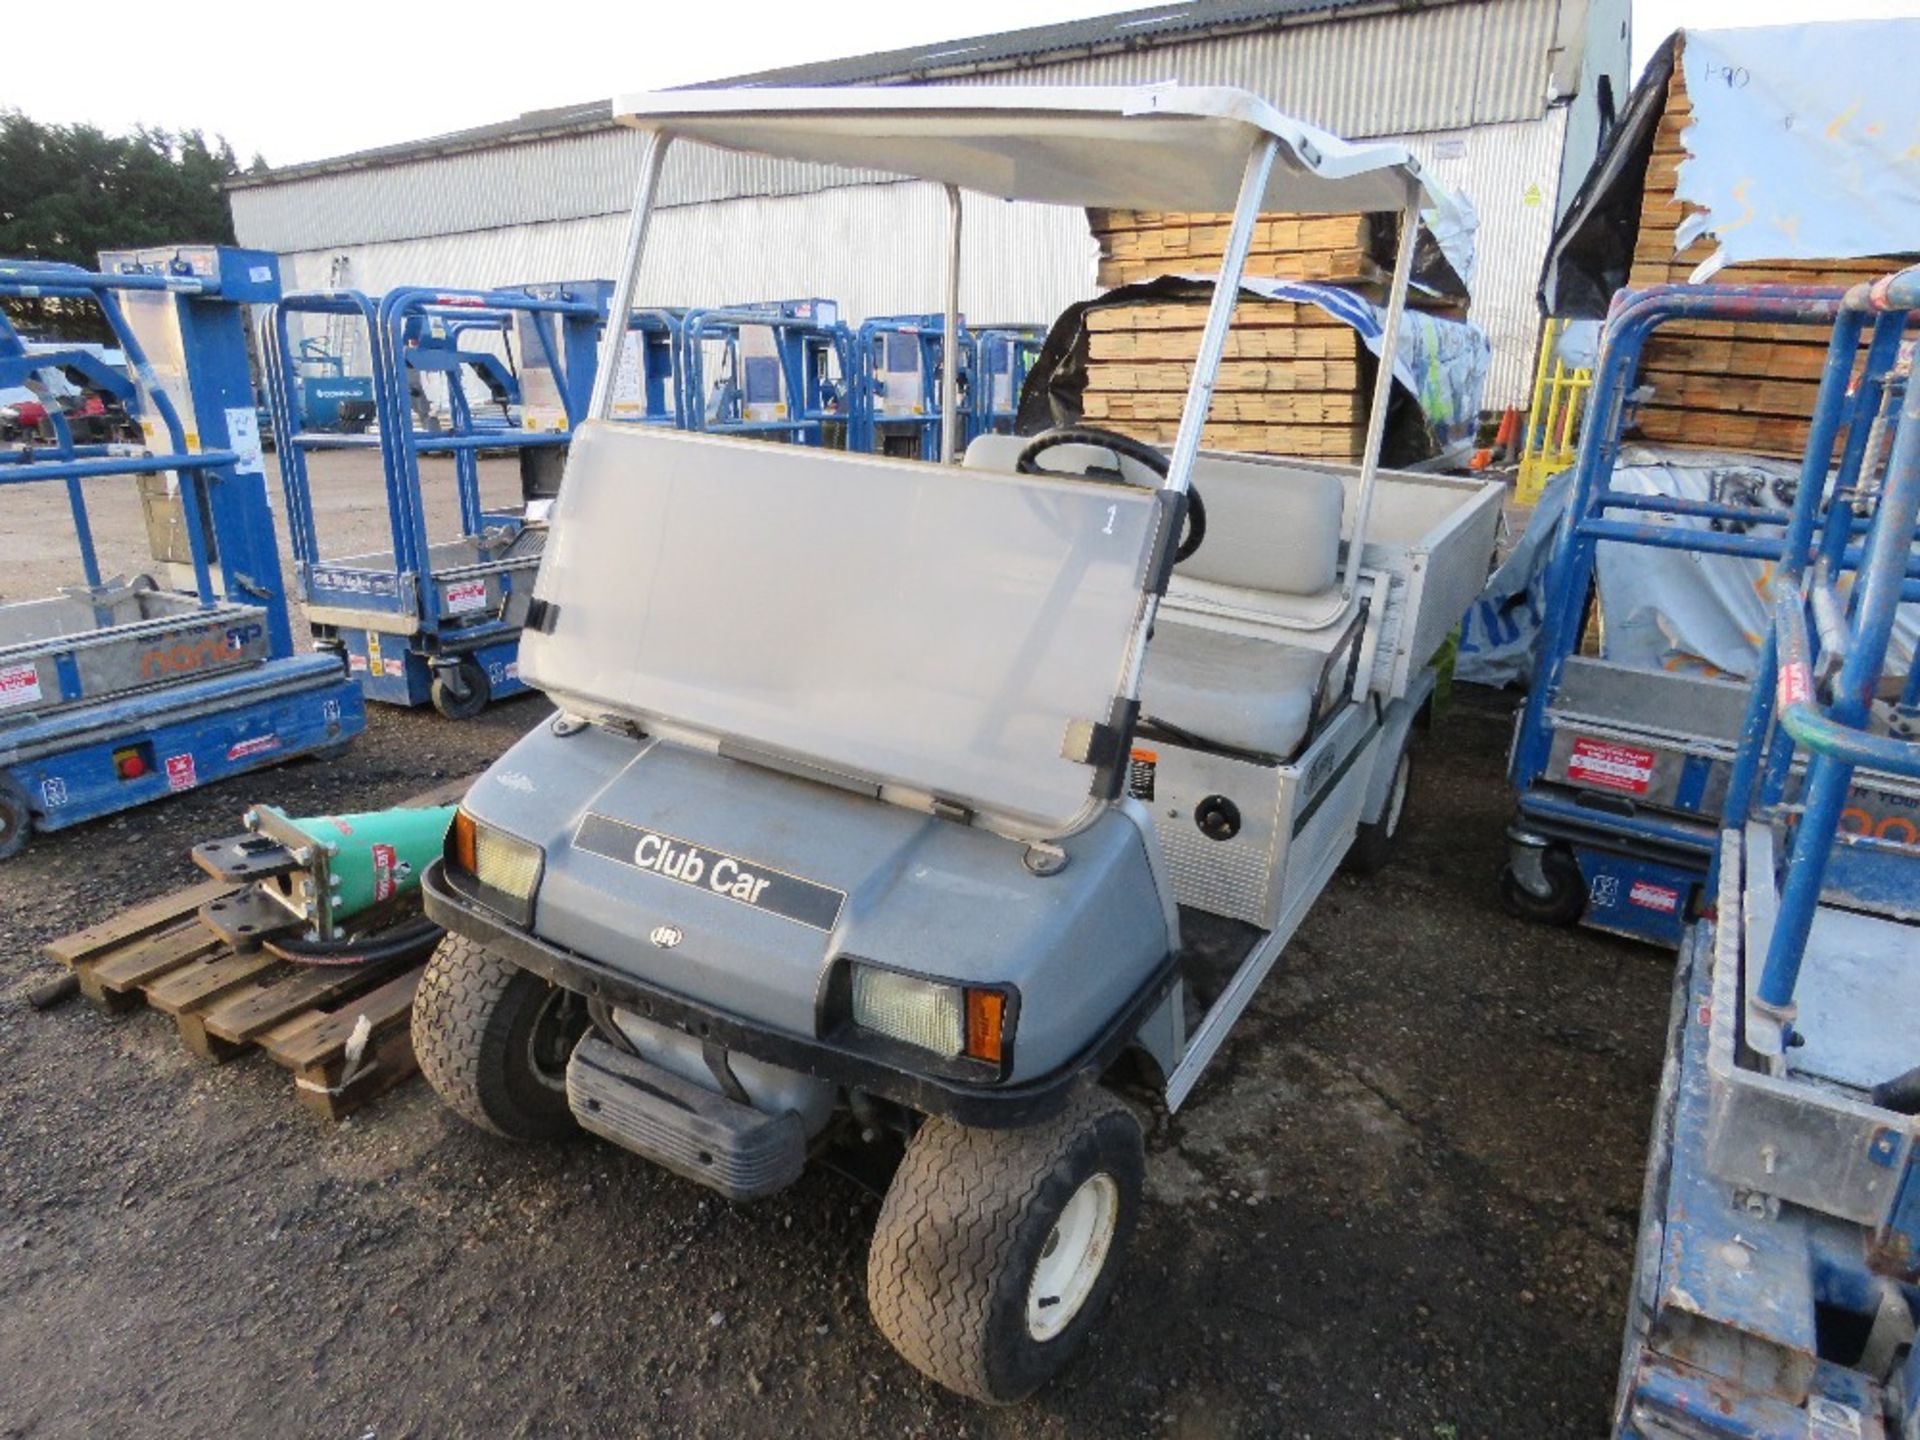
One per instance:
(1504,100)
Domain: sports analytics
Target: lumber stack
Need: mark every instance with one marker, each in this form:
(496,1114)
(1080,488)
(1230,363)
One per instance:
(1292,380)
(1142,244)
(1721,386)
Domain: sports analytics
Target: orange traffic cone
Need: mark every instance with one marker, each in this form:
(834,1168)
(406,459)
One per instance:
(1505,438)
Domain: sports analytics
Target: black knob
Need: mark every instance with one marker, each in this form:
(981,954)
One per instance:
(1218,817)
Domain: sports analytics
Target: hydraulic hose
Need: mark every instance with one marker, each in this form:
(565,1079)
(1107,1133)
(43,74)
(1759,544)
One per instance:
(412,940)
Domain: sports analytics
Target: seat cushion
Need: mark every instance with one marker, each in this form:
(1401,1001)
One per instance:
(1230,690)
(1270,526)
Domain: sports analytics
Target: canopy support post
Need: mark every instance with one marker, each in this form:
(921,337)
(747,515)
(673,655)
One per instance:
(950,336)
(1226,290)
(619,313)
(1382,393)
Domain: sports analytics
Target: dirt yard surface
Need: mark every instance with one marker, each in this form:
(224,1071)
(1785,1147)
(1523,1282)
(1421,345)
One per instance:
(1402,1205)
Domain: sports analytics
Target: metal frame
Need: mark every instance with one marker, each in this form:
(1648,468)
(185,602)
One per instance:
(205,682)
(407,594)
(1630,843)
(1783,1201)
(1263,152)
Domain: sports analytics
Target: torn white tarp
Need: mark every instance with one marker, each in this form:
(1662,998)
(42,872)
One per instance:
(1805,141)
(1660,609)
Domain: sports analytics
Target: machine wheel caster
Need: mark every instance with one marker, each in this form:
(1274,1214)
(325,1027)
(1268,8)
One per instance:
(997,1249)
(16,817)
(1374,844)
(461,691)
(494,1040)
(1566,897)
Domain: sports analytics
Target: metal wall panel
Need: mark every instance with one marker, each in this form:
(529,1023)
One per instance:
(1378,75)
(877,249)
(1415,70)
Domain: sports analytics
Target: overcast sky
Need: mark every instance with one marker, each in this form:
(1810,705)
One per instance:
(306,81)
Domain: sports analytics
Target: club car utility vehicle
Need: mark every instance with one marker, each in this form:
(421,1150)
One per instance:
(906,801)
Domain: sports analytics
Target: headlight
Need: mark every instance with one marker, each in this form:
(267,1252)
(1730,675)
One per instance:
(502,871)
(951,1021)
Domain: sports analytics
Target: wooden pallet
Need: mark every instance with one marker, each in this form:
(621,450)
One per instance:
(341,1030)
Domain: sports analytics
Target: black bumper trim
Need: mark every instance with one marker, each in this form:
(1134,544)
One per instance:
(986,1106)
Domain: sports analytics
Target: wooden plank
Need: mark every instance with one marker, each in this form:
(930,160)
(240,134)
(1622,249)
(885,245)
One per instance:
(388,1060)
(1742,394)
(253,1009)
(1266,343)
(1761,359)
(1309,409)
(142,919)
(1234,375)
(1339,267)
(201,981)
(137,965)
(317,1036)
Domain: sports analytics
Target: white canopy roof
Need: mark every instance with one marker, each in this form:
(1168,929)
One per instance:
(1151,147)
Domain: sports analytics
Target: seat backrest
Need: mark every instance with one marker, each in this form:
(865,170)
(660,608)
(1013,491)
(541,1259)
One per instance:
(1270,526)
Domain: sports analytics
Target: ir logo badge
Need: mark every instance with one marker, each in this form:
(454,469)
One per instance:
(666,936)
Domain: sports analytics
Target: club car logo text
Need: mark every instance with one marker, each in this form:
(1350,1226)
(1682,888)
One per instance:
(745,882)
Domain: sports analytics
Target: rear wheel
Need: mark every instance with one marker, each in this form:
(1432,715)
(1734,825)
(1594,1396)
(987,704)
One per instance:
(494,1040)
(997,1249)
(1374,844)
(460,691)
(16,817)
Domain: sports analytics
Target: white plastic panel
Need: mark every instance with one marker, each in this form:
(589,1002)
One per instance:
(912,624)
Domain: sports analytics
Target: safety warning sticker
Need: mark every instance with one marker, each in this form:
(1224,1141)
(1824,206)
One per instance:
(466,595)
(19,685)
(180,772)
(1649,896)
(1610,765)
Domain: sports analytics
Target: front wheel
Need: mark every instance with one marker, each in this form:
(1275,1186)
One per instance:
(997,1249)
(460,691)
(494,1040)
(1564,900)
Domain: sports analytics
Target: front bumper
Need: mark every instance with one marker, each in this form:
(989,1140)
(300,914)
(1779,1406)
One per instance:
(988,1106)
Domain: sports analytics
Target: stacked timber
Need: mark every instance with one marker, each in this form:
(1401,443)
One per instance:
(1144,244)
(1292,380)
(1720,386)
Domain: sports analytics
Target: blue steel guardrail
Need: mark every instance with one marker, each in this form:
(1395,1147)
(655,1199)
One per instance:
(808,414)
(39,279)
(1833,734)
(1635,315)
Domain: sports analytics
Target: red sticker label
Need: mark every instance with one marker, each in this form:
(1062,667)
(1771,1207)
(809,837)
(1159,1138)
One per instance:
(180,773)
(386,872)
(1610,766)
(19,685)
(258,745)
(466,595)
(1654,897)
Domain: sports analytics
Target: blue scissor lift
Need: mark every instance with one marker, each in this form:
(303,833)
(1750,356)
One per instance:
(897,361)
(1775,1291)
(780,370)
(1622,772)
(1002,356)
(125,689)
(430,621)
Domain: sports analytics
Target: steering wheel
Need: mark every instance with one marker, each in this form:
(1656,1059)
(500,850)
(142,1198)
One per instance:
(1028,463)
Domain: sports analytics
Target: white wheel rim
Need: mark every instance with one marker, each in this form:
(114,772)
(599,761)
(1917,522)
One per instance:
(1397,801)
(1073,1256)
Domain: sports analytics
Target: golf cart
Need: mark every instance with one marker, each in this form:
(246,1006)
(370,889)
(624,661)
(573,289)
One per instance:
(908,803)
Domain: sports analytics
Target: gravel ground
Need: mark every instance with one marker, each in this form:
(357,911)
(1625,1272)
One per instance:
(1402,1204)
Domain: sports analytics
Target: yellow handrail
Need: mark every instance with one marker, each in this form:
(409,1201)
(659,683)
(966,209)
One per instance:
(1553,419)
